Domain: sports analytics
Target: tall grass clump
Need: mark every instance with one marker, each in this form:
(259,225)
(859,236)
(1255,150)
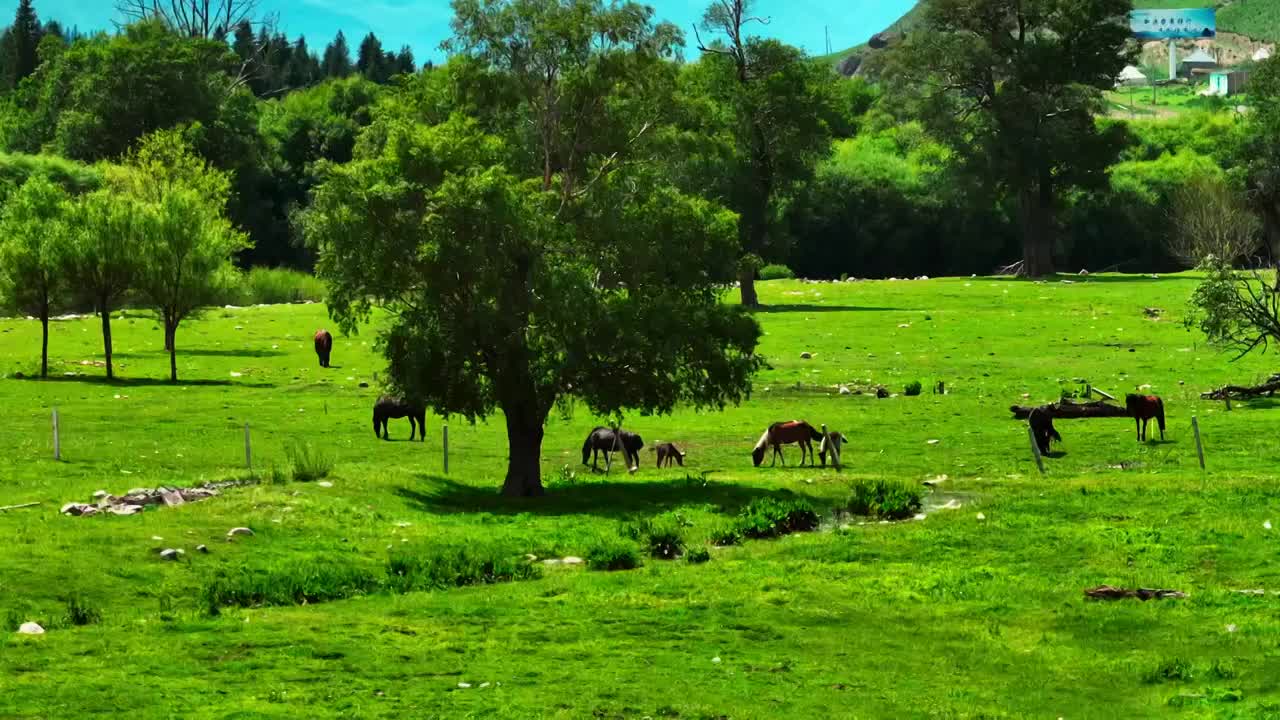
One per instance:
(661,537)
(309,464)
(768,518)
(298,582)
(449,566)
(81,613)
(613,552)
(913,388)
(887,499)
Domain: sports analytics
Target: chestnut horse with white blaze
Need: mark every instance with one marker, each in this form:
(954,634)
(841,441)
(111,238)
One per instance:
(786,433)
(324,345)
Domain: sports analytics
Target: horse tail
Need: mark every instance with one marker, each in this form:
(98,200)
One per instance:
(586,448)
(1160,414)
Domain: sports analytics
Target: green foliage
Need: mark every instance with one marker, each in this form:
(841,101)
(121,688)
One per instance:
(769,518)
(612,552)
(1173,670)
(886,499)
(274,286)
(440,567)
(697,556)
(776,272)
(71,176)
(913,388)
(308,463)
(34,247)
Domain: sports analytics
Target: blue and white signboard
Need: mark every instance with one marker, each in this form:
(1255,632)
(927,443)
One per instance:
(1173,24)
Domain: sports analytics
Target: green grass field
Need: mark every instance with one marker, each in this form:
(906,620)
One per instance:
(951,616)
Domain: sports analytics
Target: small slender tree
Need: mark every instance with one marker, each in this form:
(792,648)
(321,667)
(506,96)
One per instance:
(1210,219)
(33,228)
(104,251)
(188,244)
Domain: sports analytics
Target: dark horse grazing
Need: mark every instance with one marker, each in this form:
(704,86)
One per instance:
(324,345)
(603,439)
(389,407)
(1042,428)
(1143,408)
(668,452)
(785,433)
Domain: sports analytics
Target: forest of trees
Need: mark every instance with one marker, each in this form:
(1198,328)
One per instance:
(854,178)
(569,176)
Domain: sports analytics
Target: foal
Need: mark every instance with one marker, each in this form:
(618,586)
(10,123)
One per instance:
(668,452)
(1143,408)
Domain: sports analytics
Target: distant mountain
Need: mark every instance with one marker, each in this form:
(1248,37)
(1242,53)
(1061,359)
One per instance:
(1256,20)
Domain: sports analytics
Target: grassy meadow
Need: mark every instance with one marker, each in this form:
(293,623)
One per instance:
(975,611)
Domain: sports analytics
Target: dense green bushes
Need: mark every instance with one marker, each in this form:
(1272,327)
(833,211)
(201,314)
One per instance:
(887,499)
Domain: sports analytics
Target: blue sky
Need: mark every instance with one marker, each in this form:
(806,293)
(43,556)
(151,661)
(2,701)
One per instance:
(422,24)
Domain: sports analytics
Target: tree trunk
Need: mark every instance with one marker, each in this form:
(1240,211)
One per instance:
(524,447)
(44,343)
(1271,231)
(106,337)
(1036,210)
(170,332)
(747,283)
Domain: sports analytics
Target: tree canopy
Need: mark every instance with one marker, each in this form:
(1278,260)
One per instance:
(522,226)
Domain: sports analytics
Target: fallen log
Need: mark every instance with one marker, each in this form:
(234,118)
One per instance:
(1240,392)
(1067,410)
(1107,592)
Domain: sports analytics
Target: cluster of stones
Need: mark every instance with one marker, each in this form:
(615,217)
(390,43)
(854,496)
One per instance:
(138,499)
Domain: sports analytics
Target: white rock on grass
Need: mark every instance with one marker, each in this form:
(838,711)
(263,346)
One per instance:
(171,554)
(981,517)
(239,531)
(325,484)
(806,356)
(30,628)
(571,560)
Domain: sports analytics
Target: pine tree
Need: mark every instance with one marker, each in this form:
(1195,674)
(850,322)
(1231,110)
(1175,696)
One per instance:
(243,45)
(405,64)
(370,61)
(302,68)
(337,57)
(26,40)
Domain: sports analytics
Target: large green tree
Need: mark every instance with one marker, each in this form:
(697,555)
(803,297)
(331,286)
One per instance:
(25,35)
(778,107)
(1262,154)
(33,243)
(512,216)
(1014,86)
(337,58)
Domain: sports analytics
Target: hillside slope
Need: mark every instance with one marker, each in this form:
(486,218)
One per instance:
(1257,20)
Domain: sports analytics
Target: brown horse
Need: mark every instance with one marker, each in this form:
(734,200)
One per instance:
(393,407)
(785,433)
(1143,408)
(324,345)
(667,452)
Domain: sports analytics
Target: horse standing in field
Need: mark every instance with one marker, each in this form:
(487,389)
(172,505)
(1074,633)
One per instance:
(1042,429)
(667,452)
(1143,408)
(786,433)
(324,345)
(389,407)
(833,443)
(603,439)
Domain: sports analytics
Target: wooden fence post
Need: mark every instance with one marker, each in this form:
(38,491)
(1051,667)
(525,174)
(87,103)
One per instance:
(445,430)
(835,451)
(248,452)
(1199,447)
(1035,449)
(57,441)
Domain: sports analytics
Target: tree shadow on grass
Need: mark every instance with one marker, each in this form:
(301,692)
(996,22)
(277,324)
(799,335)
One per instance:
(601,498)
(783,308)
(142,382)
(232,353)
